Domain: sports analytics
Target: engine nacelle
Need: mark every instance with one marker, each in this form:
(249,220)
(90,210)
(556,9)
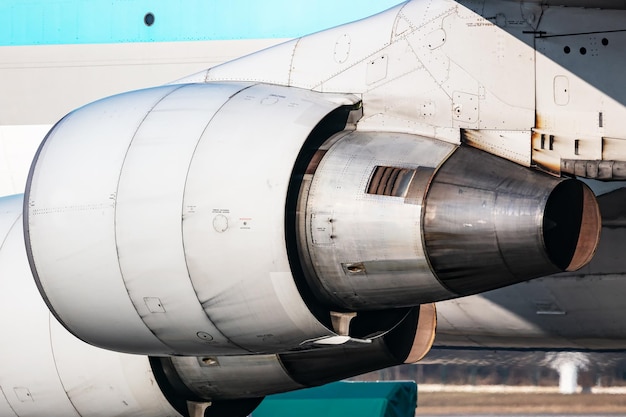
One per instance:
(229,219)
(224,379)
(45,370)
(155,219)
(48,372)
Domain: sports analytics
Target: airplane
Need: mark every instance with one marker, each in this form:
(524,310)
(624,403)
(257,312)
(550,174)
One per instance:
(333,204)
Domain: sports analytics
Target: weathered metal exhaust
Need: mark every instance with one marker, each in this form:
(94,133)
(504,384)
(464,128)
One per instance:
(393,220)
(489,223)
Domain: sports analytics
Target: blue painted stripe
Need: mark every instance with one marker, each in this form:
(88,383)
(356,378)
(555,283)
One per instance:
(52,22)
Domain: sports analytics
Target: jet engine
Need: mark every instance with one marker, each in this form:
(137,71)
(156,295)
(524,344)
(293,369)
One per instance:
(234,219)
(47,371)
(390,220)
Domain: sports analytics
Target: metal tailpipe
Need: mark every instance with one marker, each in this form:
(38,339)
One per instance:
(393,220)
(489,223)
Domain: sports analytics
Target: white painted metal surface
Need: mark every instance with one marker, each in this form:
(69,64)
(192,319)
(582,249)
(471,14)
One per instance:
(42,83)
(27,351)
(414,69)
(18,145)
(101,383)
(45,370)
(171,240)
(148,232)
(234,217)
(88,241)
(580,106)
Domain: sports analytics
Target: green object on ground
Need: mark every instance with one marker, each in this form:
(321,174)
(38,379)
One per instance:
(344,399)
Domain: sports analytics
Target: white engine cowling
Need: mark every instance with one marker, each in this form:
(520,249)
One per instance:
(155,219)
(45,370)
(48,372)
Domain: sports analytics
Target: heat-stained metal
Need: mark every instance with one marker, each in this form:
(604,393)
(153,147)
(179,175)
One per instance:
(465,222)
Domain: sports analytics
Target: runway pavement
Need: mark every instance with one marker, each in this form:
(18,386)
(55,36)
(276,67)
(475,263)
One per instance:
(521,415)
(490,403)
